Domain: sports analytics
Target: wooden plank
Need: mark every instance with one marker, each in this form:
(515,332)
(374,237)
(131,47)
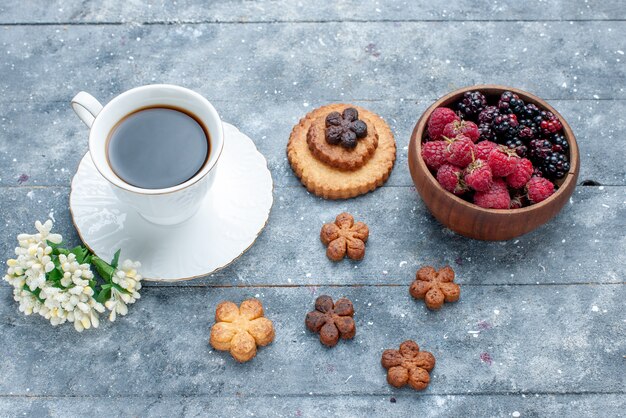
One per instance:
(584,244)
(263,63)
(49,154)
(76,11)
(402,404)
(533,340)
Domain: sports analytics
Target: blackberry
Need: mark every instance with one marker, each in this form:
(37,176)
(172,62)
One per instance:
(517,145)
(472,103)
(527,118)
(510,103)
(488,114)
(486,132)
(559,143)
(525,134)
(540,150)
(550,124)
(556,166)
(529,111)
(505,126)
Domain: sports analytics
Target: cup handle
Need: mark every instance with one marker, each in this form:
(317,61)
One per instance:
(86,107)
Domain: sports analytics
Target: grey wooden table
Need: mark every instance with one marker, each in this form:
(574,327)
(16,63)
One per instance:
(540,328)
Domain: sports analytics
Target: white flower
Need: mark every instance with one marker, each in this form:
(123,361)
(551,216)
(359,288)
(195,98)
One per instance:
(29,303)
(42,236)
(70,297)
(128,279)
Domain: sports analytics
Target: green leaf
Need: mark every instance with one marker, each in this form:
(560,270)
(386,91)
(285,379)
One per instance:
(116,259)
(53,245)
(120,288)
(103,268)
(35,292)
(81,253)
(104,294)
(54,275)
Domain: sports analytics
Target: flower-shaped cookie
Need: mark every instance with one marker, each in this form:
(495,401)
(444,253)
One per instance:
(408,365)
(435,287)
(240,330)
(345,128)
(331,320)
(344,236)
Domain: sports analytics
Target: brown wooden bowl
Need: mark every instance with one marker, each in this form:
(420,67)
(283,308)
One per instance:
(470,220)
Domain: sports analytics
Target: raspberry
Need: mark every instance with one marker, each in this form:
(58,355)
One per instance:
(478,176)
(434,154)
(460,151)
(449,177)
(502,161)
(438,120)
(539,189)
(467,128)
(518,200)
(522,173)
(497,197)
(483,149)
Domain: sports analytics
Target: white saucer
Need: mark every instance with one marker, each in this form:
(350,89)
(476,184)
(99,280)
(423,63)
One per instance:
(231,217)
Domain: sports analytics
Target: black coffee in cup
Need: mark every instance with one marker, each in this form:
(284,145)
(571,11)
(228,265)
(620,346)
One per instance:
(158,147)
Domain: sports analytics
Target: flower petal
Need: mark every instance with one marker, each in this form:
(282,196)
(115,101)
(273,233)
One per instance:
(397,376)
(426,273)
(344,307)
(221,335)
(315,320)
(445,275)
(434,298)
(391,358)
(324,303)
(262,330)
(356,249)
(226,311)
(329,232)
(243,347)
(344,220)
(419,288)
(418,378)
(337,249)
(360,231)
(451,291)
(346,327)
(329,334)
(251,309)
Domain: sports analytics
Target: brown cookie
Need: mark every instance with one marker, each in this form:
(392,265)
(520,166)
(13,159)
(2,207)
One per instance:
(344,237)
(435,287)
(241,329)
(336,155)
(408,365)
(331,183)
(331,320)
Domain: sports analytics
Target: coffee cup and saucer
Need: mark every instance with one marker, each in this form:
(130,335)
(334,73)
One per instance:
(168,182)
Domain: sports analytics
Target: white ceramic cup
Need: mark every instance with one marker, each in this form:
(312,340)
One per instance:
(167,206)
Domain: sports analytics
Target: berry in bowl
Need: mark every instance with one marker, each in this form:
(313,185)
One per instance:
(493,162)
